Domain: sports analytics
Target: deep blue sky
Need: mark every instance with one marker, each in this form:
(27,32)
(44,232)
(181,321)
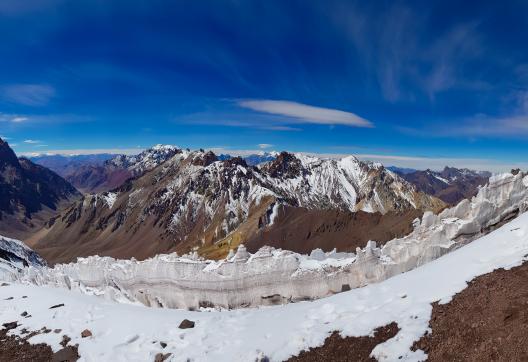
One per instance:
(423,83)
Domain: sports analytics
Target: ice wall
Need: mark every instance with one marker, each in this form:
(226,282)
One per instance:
(272,276)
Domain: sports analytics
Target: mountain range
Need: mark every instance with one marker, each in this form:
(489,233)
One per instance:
(194,201)
(451,185)
(170,199)
(104,172)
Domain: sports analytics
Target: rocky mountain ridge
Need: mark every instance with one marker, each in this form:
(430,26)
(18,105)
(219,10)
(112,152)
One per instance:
(29,194)
(450,185)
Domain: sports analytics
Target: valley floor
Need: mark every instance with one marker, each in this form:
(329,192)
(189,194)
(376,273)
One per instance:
(486,320)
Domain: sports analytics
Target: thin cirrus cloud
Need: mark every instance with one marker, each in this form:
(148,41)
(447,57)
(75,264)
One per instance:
(12,118)
(33,95)
(303,113)
(19,119)
(264,145)
(32,142)
(480,126)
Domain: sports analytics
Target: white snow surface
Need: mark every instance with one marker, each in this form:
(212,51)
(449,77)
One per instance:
(123,332)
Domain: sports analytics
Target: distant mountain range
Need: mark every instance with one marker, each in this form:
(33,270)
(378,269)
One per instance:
(104,172)
(450,185)
(29,194)
(170,199)
(194,201)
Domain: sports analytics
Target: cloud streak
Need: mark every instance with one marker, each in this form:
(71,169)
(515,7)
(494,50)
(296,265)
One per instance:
(304,113)
(34,95)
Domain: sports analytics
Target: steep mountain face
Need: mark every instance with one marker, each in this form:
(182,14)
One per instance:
(450,185)
(29,193)
(193,200)
(98,174)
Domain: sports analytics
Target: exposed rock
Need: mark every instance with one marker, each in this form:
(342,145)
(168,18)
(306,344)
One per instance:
(185,324)
(56,306)
(160,357)
(86,333)
(10,325)
(65,340)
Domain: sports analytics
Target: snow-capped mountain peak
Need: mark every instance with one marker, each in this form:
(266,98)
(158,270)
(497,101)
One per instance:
(146,160)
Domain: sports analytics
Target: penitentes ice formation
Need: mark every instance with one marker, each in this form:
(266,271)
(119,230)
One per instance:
(274,276)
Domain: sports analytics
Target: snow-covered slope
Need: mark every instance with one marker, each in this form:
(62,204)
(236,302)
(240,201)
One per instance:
(275,277)
(347,183)
(14,256)
(132,333)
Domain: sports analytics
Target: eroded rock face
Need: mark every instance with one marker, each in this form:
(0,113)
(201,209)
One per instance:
(274,276)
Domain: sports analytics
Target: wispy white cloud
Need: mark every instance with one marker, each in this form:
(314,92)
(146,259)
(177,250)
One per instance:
(264,145)
(4,137)
(19,119)
(303,113)
(479,126)
(28,94)
(14,118)
(32,142)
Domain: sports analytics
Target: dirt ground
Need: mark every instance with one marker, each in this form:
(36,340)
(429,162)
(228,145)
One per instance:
(14,348)
(487,321)
(349,349)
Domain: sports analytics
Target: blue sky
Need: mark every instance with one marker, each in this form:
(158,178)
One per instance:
(409,83)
